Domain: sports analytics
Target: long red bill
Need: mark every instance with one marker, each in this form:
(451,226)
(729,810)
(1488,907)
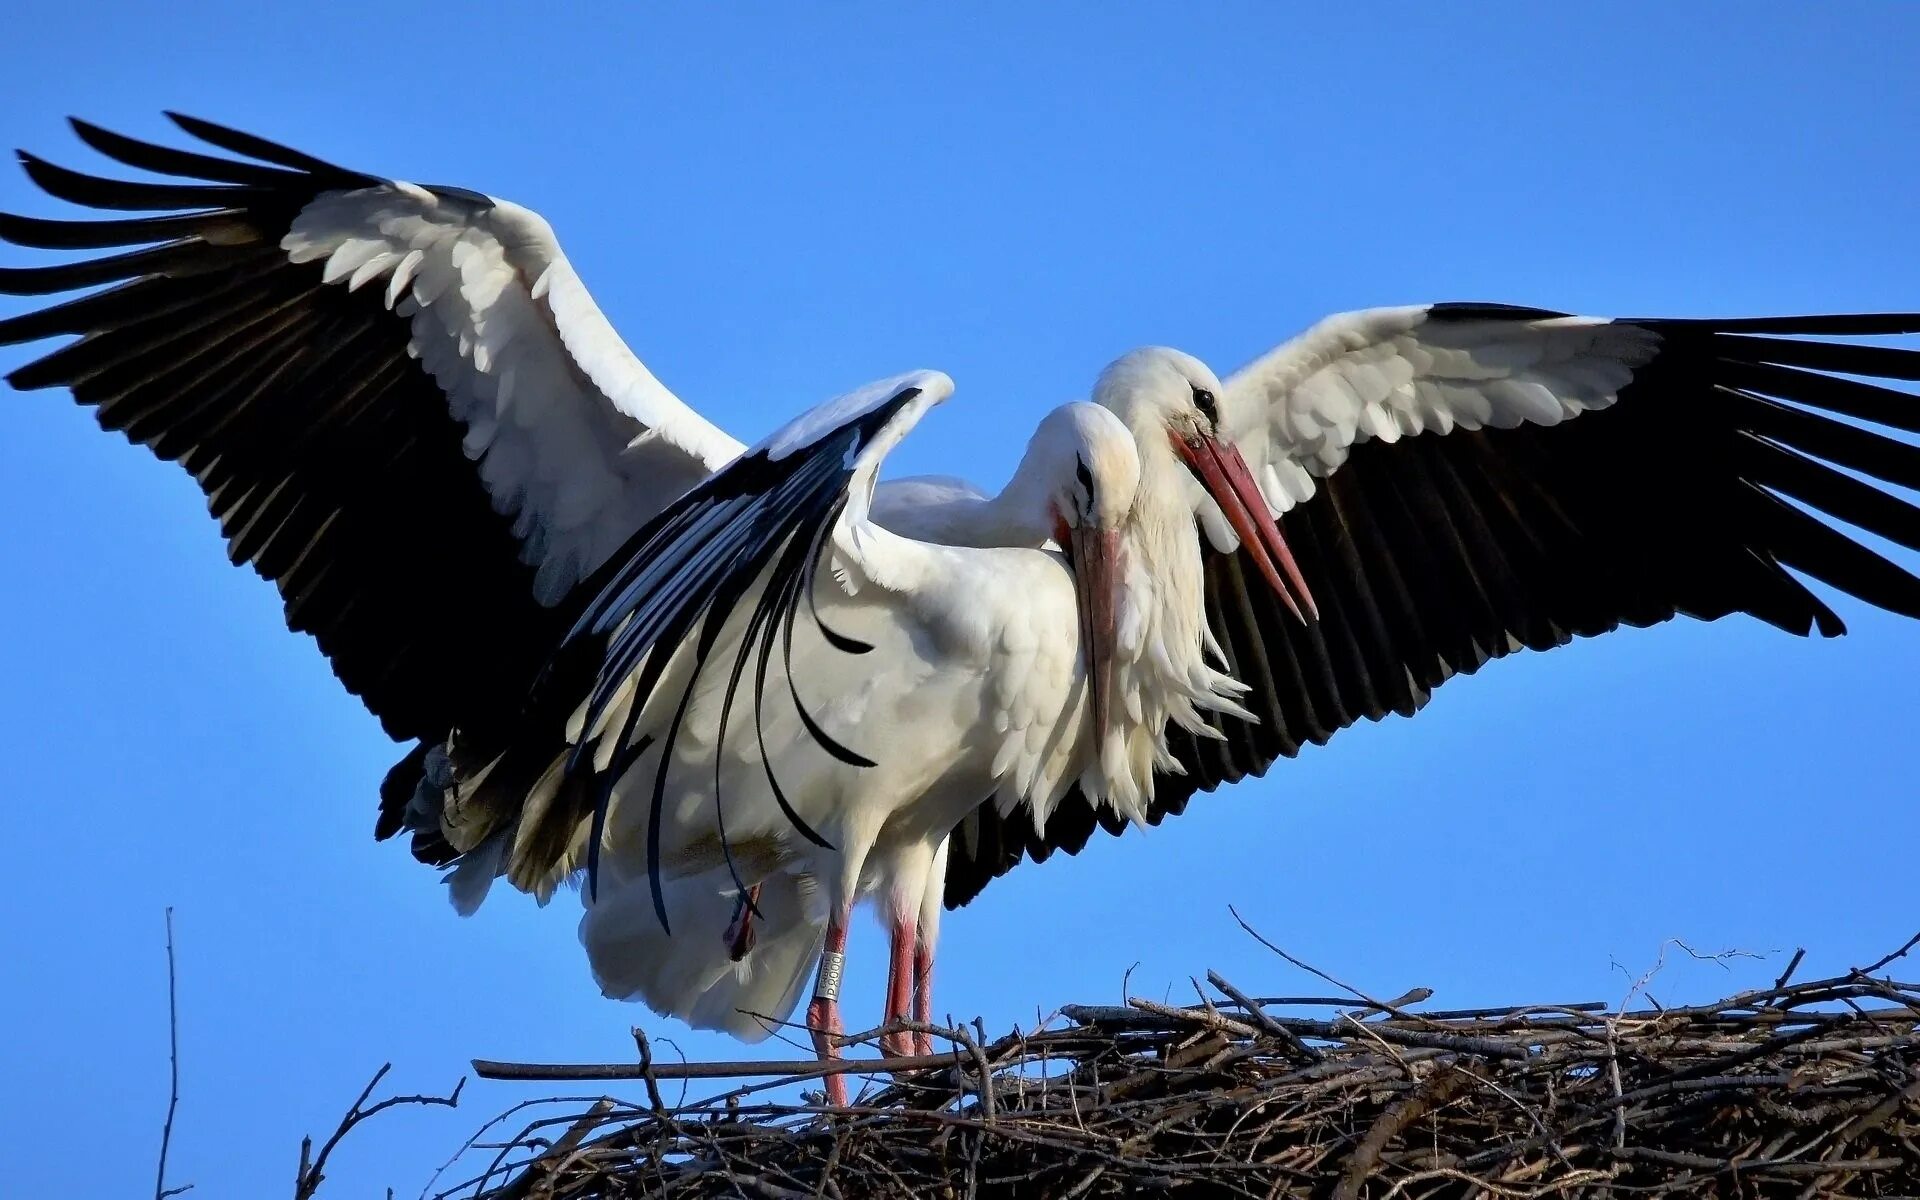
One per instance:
(1097,563)
(1224,471)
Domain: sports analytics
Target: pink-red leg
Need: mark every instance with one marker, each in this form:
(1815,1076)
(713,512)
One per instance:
(923,995)
(739,935)
(823,1011)
(901,959)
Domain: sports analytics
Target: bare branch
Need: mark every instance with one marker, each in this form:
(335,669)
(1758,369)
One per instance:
(1793,964)
(1382,1005)
(312,1169)
(160,1189)
(1897,954)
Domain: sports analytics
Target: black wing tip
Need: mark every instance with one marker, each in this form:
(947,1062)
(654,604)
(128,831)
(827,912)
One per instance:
(104,140)
(1489,310)
(197,126)
(266,151)
(184,121)
(1803,325)
(1854,324)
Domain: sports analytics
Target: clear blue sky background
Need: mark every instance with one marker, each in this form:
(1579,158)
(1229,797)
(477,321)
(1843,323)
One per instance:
(774,203)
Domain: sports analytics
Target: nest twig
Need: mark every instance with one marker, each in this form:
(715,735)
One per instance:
(1809,1089)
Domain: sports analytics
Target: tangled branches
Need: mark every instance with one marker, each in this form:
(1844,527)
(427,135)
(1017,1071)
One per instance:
(1808,1089)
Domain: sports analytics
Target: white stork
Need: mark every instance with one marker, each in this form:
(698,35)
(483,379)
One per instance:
(714,734)
(522,551)
(748,956)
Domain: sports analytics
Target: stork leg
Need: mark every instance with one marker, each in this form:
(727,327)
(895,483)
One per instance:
(923,994)
(739,935)
(823,1011)
(930,896)
(901,960)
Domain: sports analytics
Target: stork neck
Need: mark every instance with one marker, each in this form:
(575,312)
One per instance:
(1022,513)
(1170,551)
(1162,667)
(1018,516)
(1167,489)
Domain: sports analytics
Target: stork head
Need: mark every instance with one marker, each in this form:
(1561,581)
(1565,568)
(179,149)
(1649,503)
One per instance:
(1091,468)
(1174,404)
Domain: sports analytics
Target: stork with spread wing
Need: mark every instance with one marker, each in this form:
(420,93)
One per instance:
(579,597)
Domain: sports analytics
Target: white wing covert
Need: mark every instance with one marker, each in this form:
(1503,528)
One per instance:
(1389,373)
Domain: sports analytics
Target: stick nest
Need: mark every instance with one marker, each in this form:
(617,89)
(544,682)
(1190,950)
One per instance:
(1810,1089)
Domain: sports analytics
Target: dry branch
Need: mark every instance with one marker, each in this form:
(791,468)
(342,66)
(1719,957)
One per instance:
(160,1189)
(313,1168)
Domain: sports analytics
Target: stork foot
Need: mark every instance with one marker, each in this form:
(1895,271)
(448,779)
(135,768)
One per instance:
(901,1044)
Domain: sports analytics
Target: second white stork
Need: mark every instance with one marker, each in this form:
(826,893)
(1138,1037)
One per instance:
(1459,482)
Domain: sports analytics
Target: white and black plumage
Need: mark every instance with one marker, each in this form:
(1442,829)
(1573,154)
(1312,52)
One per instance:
(518,548)
(407,412)
(1461,481)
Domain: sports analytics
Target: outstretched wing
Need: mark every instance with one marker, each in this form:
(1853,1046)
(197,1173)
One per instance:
(1462,481)
(747,540)
(402,404)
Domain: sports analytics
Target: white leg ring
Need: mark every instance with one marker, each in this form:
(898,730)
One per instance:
(826,985)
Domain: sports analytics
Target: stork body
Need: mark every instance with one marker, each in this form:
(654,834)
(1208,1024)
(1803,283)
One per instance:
(670,743)
(971,693)
(1161,667)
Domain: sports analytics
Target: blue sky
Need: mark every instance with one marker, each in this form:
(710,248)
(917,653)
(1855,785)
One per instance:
(776,203)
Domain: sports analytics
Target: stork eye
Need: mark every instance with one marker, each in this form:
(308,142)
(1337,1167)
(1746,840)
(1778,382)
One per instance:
(1085,476)
(1204,401)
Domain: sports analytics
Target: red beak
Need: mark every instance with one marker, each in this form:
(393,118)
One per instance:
(1223,470)
(1097,562)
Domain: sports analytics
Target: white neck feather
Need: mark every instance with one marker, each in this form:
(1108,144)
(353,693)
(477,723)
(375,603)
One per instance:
(1160,671)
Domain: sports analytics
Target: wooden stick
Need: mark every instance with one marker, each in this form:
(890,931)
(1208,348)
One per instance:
(796,1068)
